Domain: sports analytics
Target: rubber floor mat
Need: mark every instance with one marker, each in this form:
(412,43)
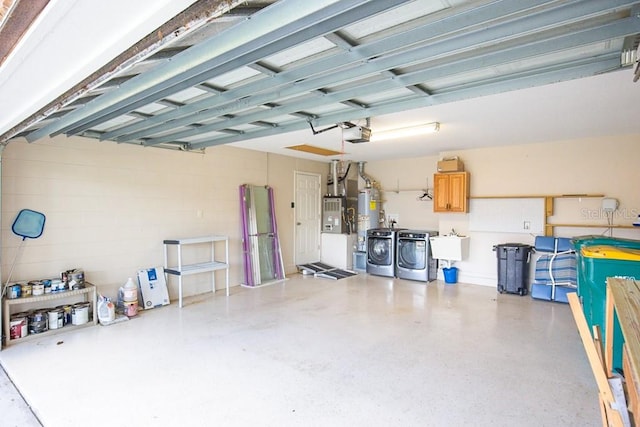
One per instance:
(325,271)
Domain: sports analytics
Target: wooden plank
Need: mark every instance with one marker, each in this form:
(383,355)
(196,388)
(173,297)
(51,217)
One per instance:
(608,330)
(548,230)
(590,348)
(538,196)
(548,206)
(592,226)
(597,341)
(631,381)
(626,298)
(611,417)
(314,150)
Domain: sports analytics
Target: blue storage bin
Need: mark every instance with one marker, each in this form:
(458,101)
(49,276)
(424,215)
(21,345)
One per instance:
(545,292)
(556,273)
(553,244)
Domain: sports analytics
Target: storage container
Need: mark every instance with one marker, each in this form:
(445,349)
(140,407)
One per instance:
(544,292)
(597,263)
(450,165)
(555,271)
(513,267)
(590,240)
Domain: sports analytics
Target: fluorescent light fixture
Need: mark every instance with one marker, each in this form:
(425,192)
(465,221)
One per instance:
(405,132)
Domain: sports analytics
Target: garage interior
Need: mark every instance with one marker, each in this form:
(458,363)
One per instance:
(146,135)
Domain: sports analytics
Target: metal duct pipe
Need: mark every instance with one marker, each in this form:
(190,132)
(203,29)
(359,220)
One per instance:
(364,176)
(334,176)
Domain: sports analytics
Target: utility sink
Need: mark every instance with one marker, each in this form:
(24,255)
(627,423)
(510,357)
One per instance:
(451,248)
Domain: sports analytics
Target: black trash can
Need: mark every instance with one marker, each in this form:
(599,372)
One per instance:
(513,267)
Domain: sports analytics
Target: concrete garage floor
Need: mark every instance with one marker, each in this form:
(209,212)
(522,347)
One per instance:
(14,411)
(361,351)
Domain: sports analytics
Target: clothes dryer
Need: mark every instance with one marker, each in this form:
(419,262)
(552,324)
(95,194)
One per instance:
(414,260)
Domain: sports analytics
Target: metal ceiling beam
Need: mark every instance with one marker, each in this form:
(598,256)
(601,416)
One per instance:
(605,32)
(264,69)
(240,45)
(346,45)
(187,21)
(297,78)
(300,80)
(317,23)
(469,64)
(585,68)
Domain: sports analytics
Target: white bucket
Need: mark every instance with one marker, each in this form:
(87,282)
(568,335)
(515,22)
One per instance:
(56,285)
(56,318)
(37,289)
(80,314)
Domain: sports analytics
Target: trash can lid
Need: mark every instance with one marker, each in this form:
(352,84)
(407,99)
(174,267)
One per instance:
(513,245)
(516,246)
(610,252)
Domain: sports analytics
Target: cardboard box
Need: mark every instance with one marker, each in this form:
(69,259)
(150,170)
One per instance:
(451,165)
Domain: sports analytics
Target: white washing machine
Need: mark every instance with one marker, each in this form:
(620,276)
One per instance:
(413,258)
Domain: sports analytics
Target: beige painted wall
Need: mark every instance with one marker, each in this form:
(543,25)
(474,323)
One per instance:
(607,166)
(109,206)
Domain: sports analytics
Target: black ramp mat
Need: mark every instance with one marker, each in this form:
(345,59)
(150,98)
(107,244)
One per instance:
(310,268)
(324,266)
(336,274)
(326,271)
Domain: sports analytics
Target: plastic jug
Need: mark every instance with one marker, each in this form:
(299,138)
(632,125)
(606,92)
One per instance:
(129,291)
(106,310)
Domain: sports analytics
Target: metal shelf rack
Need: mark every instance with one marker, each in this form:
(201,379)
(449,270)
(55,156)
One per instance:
(211,265)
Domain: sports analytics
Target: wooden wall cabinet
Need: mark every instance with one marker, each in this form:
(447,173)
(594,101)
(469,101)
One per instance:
(451,192)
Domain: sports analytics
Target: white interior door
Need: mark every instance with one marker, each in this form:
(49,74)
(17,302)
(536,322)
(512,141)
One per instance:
(307,218)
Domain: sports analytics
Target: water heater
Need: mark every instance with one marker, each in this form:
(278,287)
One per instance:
(369,206)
